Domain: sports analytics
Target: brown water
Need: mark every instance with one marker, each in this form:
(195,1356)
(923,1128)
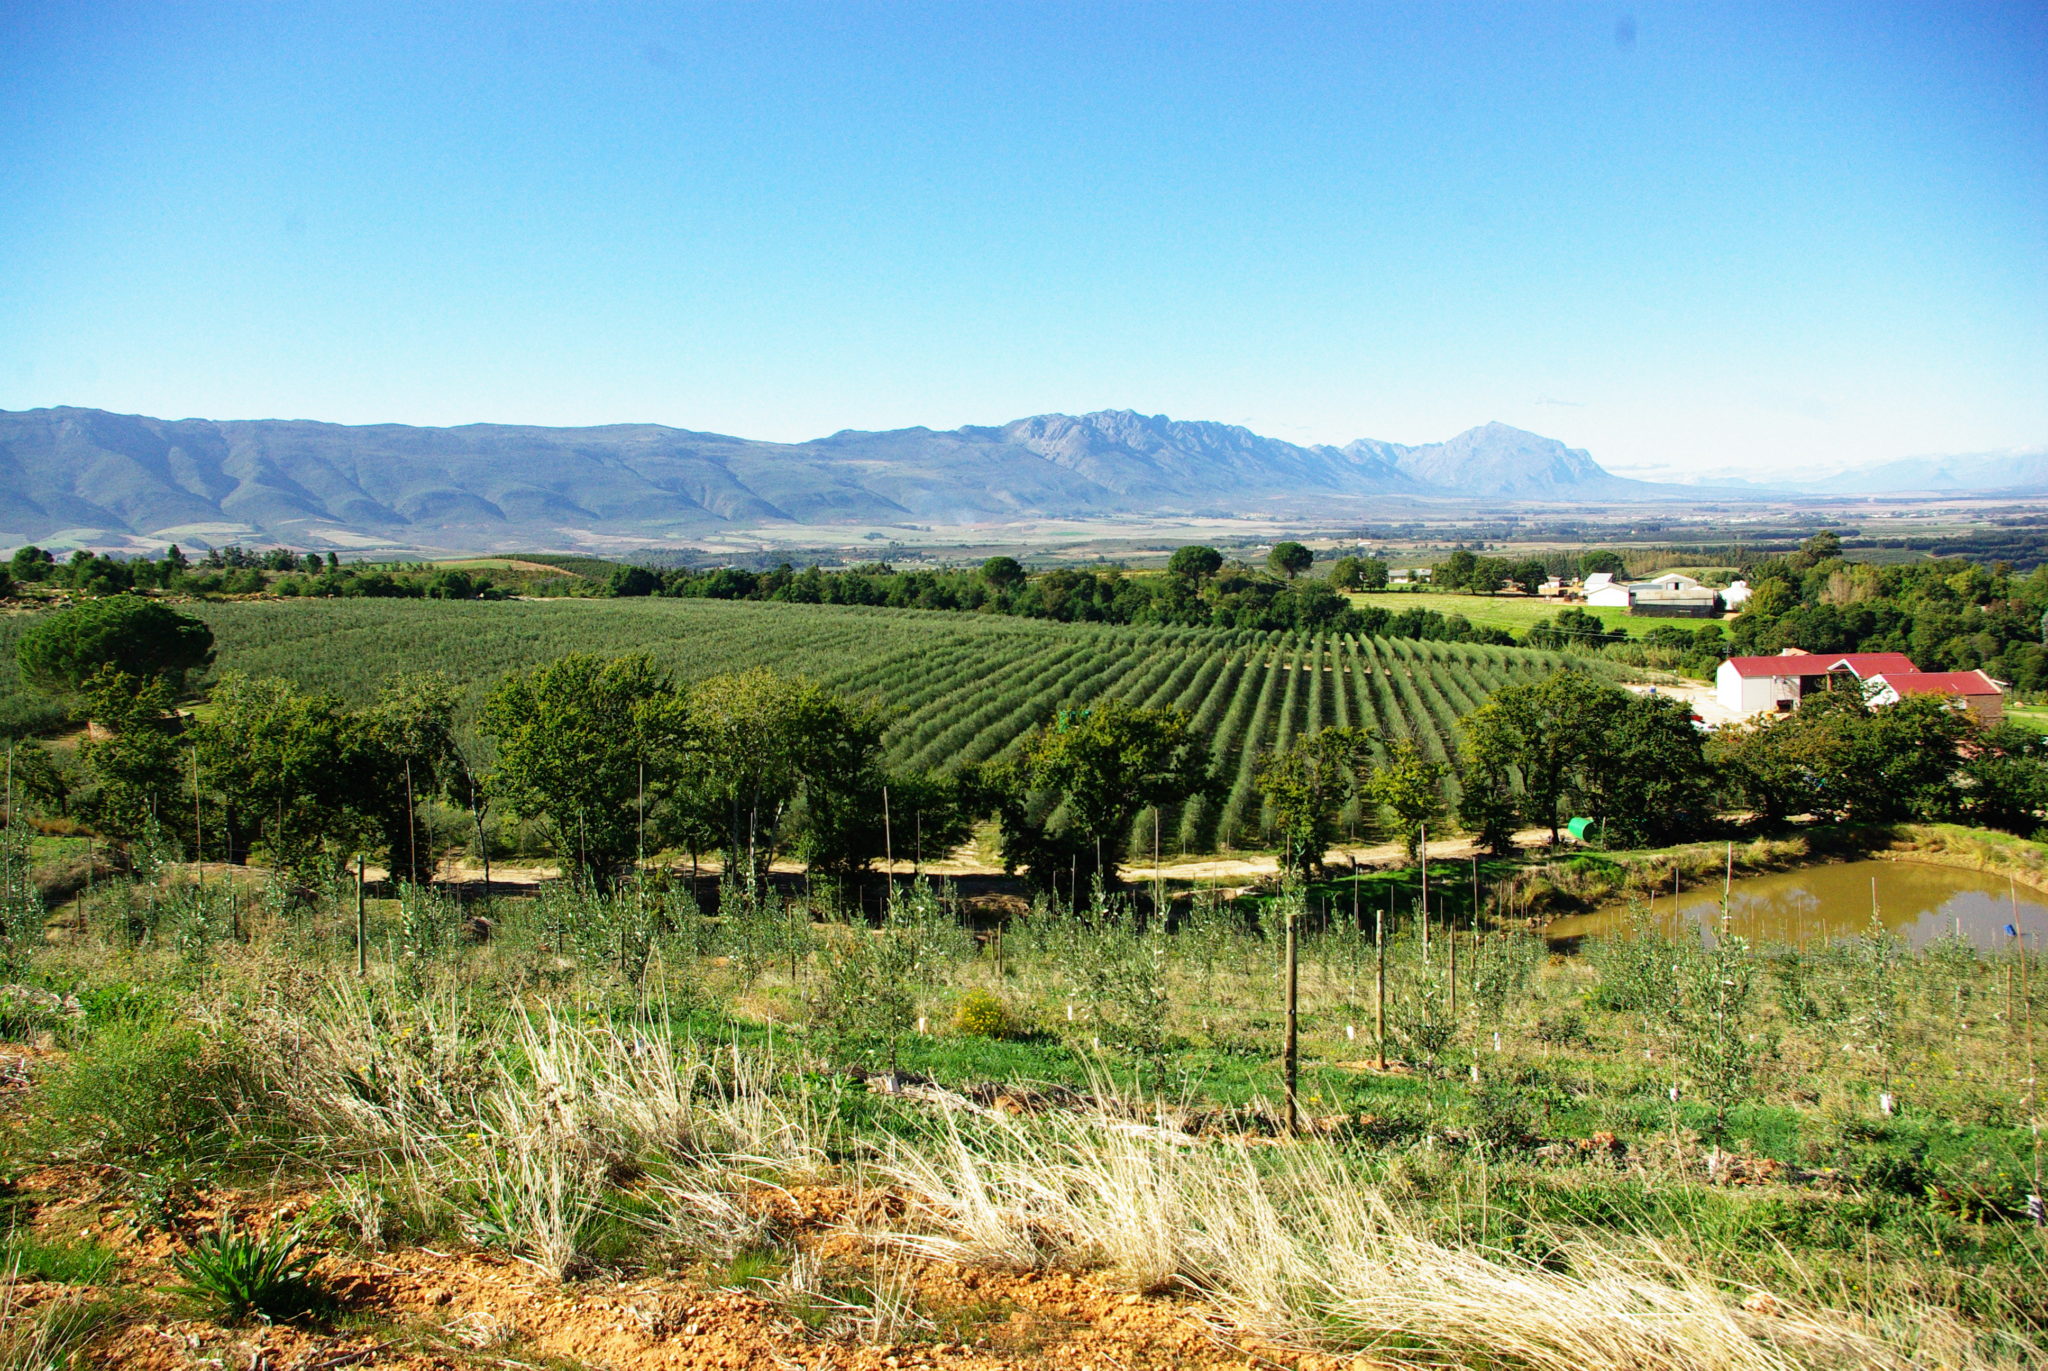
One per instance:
(1918,901)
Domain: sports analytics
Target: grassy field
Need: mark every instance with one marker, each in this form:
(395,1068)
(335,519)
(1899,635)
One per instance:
(1654,1155)
(1512,612)
(965,686)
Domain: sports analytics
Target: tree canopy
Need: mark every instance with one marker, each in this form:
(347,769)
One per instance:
(139,638)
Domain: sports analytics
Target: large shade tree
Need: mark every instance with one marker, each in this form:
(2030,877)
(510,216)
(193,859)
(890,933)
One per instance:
(1309,783)
(141,639)
(584,744)
(1068,799)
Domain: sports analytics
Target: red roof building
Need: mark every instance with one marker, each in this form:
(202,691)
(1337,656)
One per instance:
(1761,685)
(1973,689)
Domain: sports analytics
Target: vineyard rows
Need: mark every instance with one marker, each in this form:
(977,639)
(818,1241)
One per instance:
(964,688)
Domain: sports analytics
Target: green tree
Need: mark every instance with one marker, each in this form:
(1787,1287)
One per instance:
(1194,563)
(2004,780)
(1002,573)
(133,762)
(1372,574)
(1289,559)
(141,639)
(1094,769)
(1455,572)
(1529,574)
(1346,573)
(30,564)
(1546,731)
(298,775)
(1410,787)
(1597,560)
(758,741)
(1487,804)
(1308,783)
(1648,780)
(576,740)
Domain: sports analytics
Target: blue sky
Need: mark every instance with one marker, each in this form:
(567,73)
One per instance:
(1761,238)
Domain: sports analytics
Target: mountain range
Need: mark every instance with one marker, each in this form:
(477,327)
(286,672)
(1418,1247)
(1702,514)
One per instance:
(90,476)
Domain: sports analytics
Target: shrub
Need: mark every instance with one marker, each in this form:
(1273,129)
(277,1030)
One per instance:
(237,1274)
(982,1014)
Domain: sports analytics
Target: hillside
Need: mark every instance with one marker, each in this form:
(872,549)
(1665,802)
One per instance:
(89,476)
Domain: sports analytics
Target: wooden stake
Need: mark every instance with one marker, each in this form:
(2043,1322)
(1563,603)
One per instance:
(362,941)
(1289,1060)
(1379,995)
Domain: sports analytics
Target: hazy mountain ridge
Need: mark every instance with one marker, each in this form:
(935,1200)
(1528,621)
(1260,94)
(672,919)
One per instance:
(480,485)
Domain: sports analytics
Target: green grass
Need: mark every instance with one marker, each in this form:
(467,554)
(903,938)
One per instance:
(2033,716)
(1509,611)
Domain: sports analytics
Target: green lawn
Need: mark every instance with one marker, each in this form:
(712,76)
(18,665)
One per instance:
(2033,716)
(1512,612)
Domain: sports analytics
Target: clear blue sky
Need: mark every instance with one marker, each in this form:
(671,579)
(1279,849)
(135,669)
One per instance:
(1748,236)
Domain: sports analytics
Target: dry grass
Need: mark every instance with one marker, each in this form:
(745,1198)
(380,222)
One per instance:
(1296,1245)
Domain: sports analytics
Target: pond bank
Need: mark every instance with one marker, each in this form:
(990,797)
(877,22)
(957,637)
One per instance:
(1587,880)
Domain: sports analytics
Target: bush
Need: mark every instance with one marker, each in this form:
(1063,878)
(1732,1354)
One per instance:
(982,1014)
(237,1274)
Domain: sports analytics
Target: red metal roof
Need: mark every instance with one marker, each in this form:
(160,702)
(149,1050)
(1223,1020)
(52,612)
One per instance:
(1940,682)
(1863,665)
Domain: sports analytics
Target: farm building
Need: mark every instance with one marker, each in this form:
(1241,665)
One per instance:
(1672,595)
(1602,589)
(1972,690)
(1759,685)
(1736,595)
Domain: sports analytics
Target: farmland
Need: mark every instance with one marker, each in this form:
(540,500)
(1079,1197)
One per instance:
(1516,613)
(965,687)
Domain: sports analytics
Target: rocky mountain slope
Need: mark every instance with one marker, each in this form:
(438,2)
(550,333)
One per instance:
(86,474)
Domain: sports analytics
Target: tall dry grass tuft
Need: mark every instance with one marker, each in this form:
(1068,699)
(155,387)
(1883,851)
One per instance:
(527,1125)
(1297,1245)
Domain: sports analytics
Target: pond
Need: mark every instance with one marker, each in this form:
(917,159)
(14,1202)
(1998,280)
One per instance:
(1916,900)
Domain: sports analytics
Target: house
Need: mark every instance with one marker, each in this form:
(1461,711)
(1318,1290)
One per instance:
(1602,589)
(1554,589)
(1736,595)
(1669,581)
(1402,575)
(1758,685)
(1971,690)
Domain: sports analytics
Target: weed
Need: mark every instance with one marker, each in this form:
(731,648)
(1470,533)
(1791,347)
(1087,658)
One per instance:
(982,1014)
